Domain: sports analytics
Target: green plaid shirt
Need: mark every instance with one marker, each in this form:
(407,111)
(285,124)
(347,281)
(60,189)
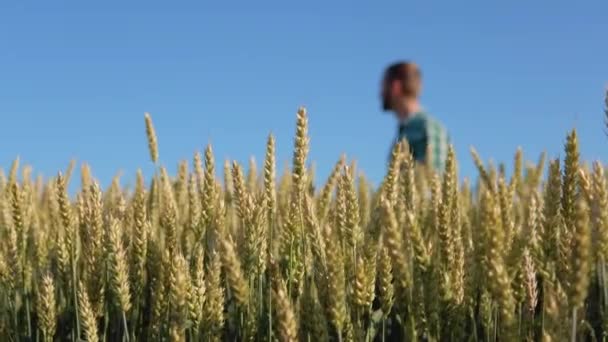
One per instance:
(422,130)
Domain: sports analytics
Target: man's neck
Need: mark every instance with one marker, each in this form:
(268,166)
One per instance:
(409,109)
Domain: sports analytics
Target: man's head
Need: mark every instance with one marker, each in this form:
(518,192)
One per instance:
(401,85)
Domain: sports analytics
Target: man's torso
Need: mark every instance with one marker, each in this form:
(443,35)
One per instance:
(420,131)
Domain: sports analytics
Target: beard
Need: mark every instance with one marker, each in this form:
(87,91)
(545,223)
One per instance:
(386,104)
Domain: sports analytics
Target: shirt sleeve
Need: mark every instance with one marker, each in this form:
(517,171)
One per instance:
(438,141)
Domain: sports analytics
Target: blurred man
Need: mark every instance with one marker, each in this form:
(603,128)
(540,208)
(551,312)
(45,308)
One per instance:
(427,138)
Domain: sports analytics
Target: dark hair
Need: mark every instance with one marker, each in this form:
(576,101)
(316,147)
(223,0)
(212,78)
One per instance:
(408,73)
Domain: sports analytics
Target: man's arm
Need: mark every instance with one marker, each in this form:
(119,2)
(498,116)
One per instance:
(438,142)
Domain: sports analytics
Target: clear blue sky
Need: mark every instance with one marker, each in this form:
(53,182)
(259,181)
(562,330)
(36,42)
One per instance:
(76,78)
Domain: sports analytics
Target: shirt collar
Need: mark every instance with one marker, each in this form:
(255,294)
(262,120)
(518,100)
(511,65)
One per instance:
(404,122)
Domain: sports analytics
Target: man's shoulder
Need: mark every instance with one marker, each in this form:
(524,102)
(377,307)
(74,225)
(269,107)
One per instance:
(431,123)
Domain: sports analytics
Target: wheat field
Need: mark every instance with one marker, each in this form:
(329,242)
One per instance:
(266,257)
